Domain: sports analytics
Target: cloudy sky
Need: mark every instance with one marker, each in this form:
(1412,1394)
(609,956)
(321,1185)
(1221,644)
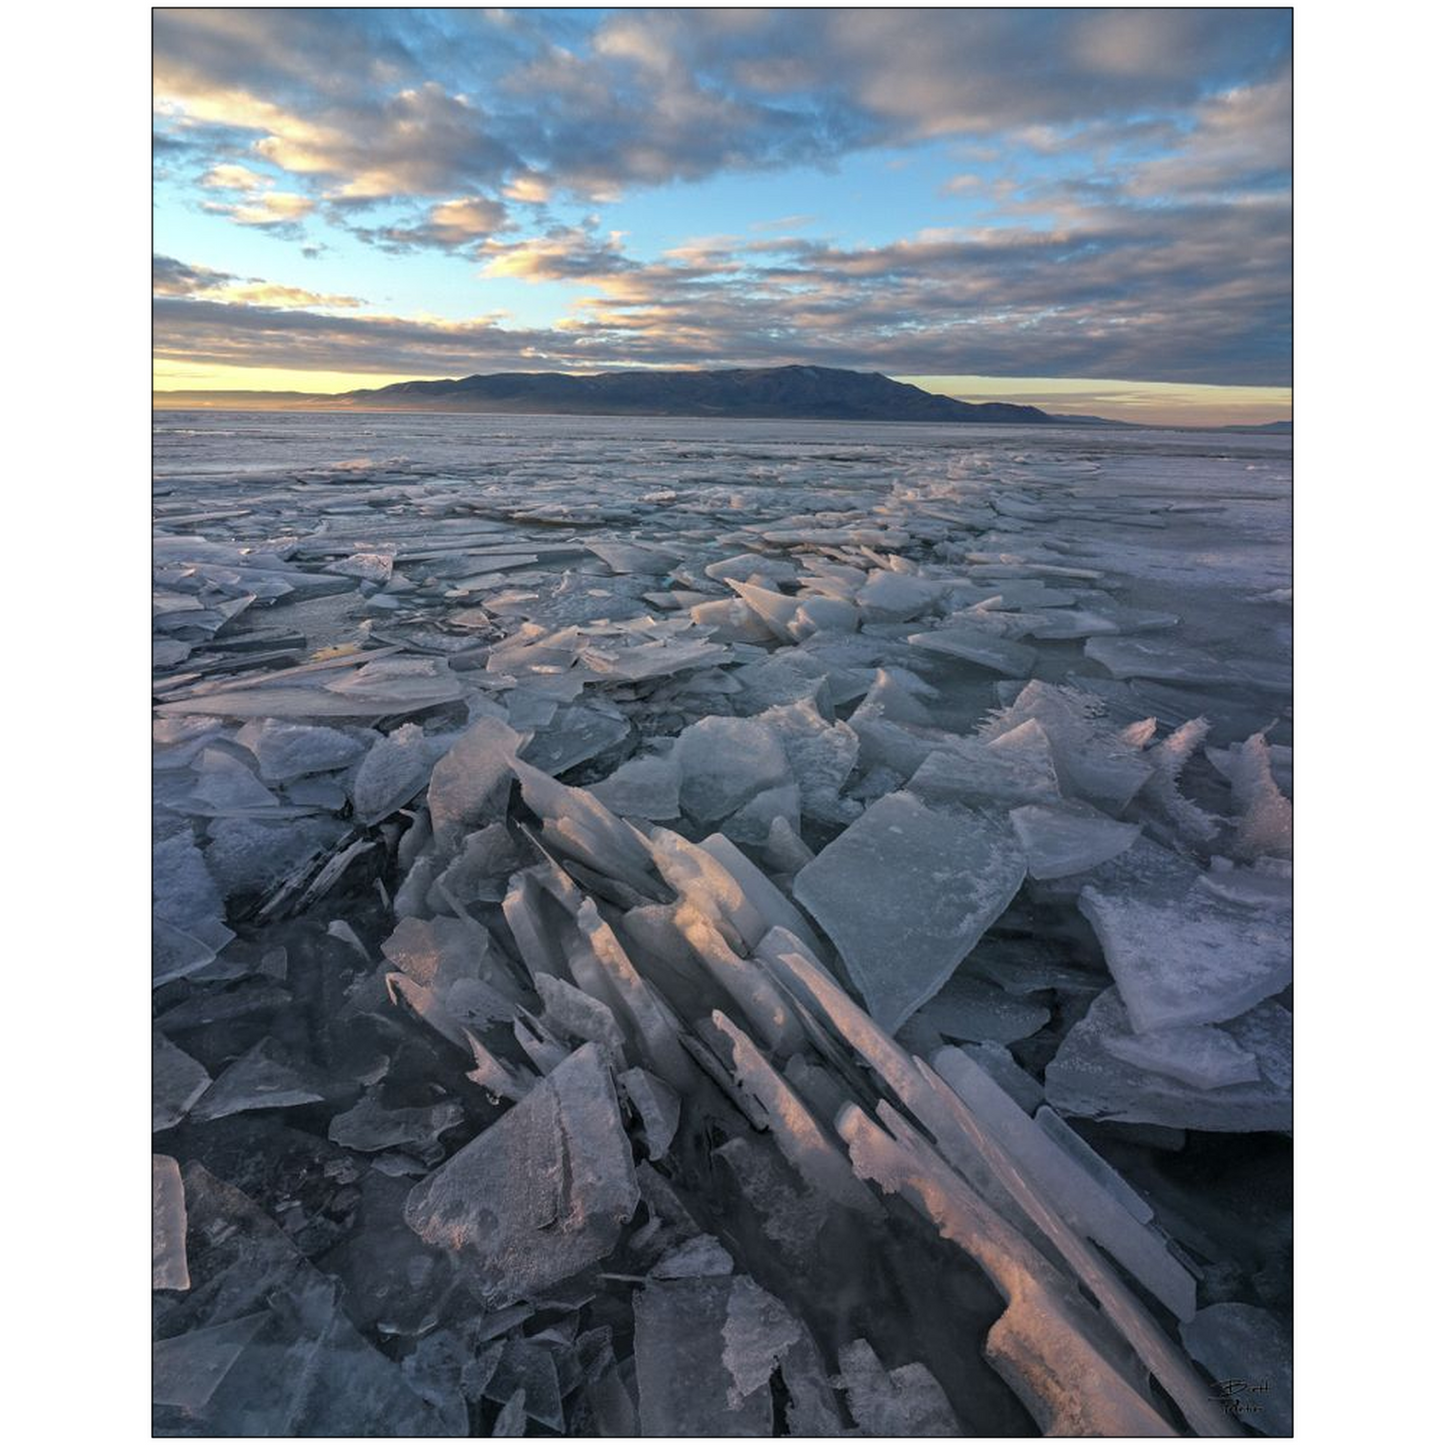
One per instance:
(1086,208)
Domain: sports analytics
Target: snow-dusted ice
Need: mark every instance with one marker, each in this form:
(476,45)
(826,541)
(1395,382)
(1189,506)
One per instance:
(700,928)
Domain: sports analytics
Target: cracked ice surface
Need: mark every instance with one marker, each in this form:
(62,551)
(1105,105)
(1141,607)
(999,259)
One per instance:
(572,839)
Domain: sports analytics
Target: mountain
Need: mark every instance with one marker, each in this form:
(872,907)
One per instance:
(816,393)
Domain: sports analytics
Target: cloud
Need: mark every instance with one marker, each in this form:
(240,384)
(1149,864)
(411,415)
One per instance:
(1126,177)
(1196,291)
(369,105)
(278,209)
(450,225)
(170,277)
(565,253)
(235,178)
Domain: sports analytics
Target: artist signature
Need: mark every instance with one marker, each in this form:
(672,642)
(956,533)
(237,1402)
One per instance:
(1237,1396)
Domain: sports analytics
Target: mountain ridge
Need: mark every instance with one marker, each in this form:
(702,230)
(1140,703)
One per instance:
(803,393)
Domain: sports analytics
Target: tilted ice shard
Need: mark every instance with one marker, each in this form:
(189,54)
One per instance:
(1088,1207)
(800,1138)
(1086,1079)
(588,1019)
(658,1106)
(989,1183)
(906,892)
(392,773)
(470,781)
(1012,770)
(1091,763)
(907,1402)
(1190,959)
(744,982)
(683,1386)
(979,646)
(1265,816)
(289,750)
(646,787)
(1061,840)
(168,1225)
(542,1193)
(1045,1345)
(177,1081)
(186,1370)
(262,1078)
(725,763)
(1201,1055)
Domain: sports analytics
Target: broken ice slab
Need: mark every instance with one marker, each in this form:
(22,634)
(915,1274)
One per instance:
(897,597)
(177,1081)
(542,1193)
(1248,1351)
(1012,770)
(186,1370)
(188,928)
(1095,1165)
(575,735)
(1264,816)
(776,612)
(307,1371)
(906,1402)
(801,1140)
(1086,1079)
(726,888)
(253,855)
(1127,657)
(580,827)
(684,1384)
(1079,1198)
(905,893)
(527,1369)
(743,982)
(289,750)
(1091,762)
(1200,1055)
(998,1063)
(438,951)
(977,645)
(725,763)
(699,1257)
(392,773)
(369,1127)
(478,873)
(643,787)
(470,782)
(658,1106)
(366,566)
(1061,840)
(1045,1339)
(263,1078)
(974,1010)
(225,785)
(168,1225)
(1190,957)
(569,1011)
(821,755)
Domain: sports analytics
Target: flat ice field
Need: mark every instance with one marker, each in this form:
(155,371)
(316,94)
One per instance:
(674,927)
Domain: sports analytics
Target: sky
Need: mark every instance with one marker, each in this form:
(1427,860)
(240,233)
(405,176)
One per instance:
(1088,210)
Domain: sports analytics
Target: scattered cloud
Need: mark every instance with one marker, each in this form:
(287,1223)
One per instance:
(1127,177)
(170,277)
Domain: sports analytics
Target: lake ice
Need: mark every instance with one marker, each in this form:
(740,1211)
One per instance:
(802,909)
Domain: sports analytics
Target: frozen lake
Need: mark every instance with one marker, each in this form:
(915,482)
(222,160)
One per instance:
(799,908)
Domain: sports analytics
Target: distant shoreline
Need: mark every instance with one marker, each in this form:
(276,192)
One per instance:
(1056,420)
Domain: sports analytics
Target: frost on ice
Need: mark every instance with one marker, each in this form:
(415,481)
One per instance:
(719,930)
